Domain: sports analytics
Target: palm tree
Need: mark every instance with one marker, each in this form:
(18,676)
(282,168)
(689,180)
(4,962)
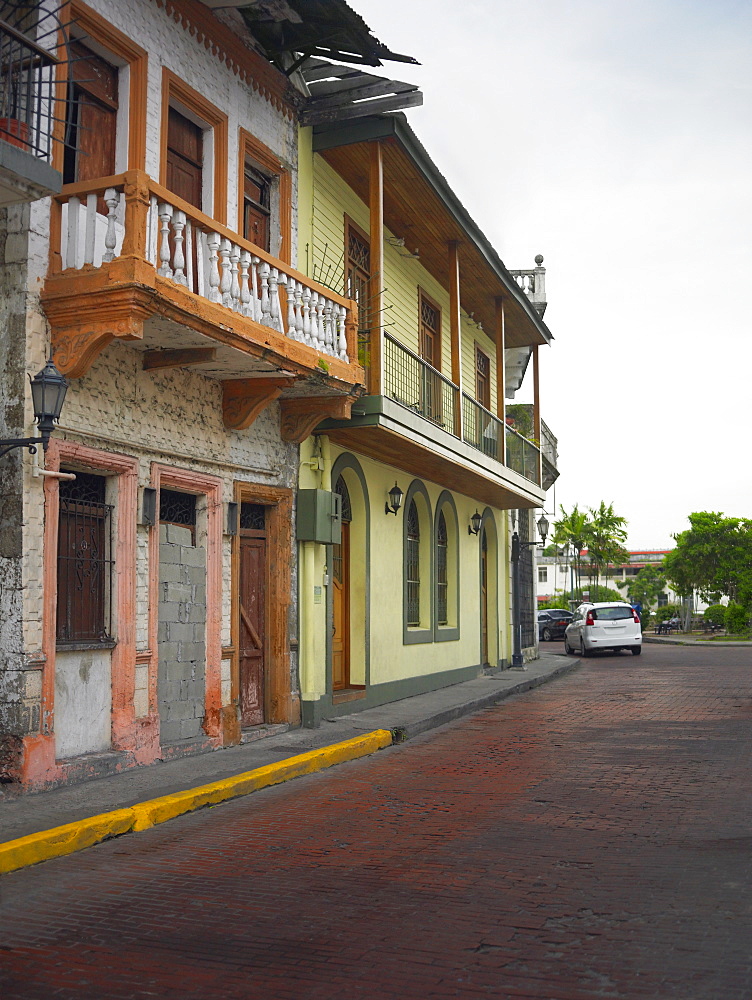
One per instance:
(572,529)
(606,534)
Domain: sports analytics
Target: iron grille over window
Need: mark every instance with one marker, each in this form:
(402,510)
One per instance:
(84,566)
(412,565)
(252,517)
(177,508)
(341,488)
(527,589)
(441,570)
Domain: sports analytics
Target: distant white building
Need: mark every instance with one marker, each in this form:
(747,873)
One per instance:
(556,574)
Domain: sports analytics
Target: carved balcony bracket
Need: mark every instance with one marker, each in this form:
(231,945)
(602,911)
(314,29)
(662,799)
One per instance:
(84,324)
(243,399)
(300,416)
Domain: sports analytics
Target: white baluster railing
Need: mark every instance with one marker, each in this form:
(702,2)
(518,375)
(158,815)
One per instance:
(185,248)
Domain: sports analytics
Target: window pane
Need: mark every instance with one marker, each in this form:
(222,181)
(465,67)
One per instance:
(441,571)
(413,565)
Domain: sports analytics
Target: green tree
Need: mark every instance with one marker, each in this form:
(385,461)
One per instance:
(646,587)
(571,529)
(606,534)
(714,557)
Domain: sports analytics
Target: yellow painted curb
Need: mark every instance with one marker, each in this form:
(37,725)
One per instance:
(168,806)
(64,839)
(61,840)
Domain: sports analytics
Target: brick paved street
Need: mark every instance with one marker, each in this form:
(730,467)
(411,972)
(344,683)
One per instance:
(590,839)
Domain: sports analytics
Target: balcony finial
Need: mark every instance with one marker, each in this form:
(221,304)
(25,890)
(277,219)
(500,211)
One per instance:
(539,259)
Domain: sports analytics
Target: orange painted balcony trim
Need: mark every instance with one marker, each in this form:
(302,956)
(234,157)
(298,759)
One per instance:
(154,253)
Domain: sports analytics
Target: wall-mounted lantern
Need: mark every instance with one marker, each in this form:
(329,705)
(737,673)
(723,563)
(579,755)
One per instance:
(475,522)
(395,500)
(48,389)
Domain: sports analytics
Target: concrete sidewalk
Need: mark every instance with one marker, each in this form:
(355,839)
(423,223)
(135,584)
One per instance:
(48,824)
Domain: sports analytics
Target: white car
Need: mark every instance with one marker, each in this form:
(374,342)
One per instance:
(608,625)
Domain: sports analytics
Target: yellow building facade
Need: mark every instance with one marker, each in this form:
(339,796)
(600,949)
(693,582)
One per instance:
(396,603)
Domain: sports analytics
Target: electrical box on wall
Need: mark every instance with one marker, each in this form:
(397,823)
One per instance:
(319,517)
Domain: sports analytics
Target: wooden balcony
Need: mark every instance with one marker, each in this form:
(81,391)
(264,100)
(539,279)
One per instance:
(131,261)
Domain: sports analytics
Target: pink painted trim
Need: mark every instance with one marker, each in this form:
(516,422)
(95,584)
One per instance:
(39,759)
(211,487)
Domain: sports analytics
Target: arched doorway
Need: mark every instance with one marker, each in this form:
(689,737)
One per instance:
(341,595)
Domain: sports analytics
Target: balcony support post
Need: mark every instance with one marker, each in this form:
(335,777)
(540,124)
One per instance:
(136,189)
(454,328)
(376,200)
(536,411)
(501,378)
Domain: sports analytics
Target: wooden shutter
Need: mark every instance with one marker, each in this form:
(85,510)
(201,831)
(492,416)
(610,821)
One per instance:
(92,120)
(256,208)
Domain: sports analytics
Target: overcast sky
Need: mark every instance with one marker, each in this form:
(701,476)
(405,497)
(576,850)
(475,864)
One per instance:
(613,137)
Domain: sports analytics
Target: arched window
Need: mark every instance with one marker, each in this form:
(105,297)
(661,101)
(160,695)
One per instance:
(341,488)
(442,576)
(412,565)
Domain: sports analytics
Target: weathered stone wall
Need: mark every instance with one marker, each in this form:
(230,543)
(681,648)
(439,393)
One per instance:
(15,716)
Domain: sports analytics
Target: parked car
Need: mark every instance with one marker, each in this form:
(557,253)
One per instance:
(552,622)
(607,625)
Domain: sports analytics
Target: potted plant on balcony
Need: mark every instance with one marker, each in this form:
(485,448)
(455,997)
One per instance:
(13,126)
(15,131)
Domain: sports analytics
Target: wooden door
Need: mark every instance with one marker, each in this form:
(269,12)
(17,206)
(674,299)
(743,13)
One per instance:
(484,598)
(341,611)
(252,629)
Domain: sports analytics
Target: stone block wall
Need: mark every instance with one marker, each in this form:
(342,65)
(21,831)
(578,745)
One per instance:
(18,714)
(181,634)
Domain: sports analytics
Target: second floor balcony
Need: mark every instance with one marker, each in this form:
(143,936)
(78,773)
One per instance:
(27,79)
(426,424)
(131,260)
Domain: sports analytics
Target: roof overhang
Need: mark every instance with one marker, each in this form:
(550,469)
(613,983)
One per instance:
(287,30)
(421,208)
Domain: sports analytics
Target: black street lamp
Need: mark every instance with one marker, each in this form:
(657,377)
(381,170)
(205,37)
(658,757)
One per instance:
(48,389)
(517,546)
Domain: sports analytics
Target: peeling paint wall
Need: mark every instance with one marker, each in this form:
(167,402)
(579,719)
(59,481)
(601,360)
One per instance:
(83,702)
(16,715)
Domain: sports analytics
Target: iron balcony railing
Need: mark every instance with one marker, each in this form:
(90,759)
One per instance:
(414,383)
(481,428)
(523,456)
(27,79)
